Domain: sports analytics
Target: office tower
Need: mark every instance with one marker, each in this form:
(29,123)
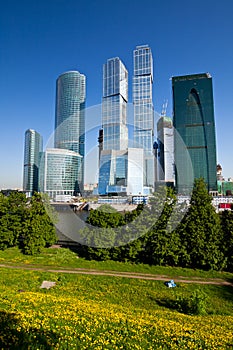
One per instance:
(113,172)
(143,108)
(60,170)
(113,159)
(70,115)
(165,150)
(114,105)
(194,135)
(32,151)
(121,172)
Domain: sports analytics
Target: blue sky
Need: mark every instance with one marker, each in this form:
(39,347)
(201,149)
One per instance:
(42,39)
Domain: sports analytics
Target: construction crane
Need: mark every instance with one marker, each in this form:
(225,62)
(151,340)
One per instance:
(164,108)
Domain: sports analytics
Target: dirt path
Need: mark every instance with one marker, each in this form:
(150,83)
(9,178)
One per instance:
(179,279)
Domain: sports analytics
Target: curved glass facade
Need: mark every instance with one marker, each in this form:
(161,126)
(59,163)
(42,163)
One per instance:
(60,169)
(70,115)
(193,110)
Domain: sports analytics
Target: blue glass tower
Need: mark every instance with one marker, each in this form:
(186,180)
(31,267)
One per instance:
(70,115)
(32,151)
(194,124)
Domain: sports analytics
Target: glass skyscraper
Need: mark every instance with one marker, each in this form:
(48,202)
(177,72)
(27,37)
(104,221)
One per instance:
(32,151)
(143,108)
(114,105)
(194,135)
(113,156)
(70,115)
(59,173)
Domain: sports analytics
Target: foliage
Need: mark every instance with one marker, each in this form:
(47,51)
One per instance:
(164,233)
(26,222)
(192,305)
(162,245)
(12,210)
(227,239)
(105,216)
(200,232)
(38,229)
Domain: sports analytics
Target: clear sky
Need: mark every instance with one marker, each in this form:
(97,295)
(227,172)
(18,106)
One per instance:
(40,39)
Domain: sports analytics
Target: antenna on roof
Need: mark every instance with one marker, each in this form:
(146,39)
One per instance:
(164,108)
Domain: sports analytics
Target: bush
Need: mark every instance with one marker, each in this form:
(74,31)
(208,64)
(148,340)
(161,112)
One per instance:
(193,305)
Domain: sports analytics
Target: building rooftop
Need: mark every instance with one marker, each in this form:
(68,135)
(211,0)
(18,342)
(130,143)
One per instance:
(191,77)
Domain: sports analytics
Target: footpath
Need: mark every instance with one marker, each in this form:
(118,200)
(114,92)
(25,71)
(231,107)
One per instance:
(83,271)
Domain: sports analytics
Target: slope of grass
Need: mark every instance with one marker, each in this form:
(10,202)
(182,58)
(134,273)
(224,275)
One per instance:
(65,258)
(103,312)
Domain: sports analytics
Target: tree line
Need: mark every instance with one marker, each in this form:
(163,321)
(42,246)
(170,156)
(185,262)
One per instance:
(164,233)
(26,222)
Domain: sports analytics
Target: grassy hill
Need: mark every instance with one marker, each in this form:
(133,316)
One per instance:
(103,312)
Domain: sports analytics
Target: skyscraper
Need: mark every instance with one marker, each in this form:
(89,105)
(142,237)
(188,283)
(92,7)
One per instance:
(113,156)
(70,115)
(114,105)
(59,173)
(194,137)
(143,108)
(165,152)
(32,150)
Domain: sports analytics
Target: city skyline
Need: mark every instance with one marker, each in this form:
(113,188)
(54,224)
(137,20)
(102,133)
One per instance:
(41,40)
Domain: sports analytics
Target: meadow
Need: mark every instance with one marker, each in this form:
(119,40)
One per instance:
(103,312)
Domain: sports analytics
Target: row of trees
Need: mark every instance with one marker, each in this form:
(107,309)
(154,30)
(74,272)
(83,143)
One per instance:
(26,223)
(165,233)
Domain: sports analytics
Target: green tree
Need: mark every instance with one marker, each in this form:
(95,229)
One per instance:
(38,228)
(162,243)
(105,216)
(227,239)
(12,210)
(200,231)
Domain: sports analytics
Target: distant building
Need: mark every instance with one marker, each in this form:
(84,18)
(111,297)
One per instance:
(225,188)
(144,110)
(32,152)
(165,152)
(60,169)
(100,142)
(70,116)
(194,138)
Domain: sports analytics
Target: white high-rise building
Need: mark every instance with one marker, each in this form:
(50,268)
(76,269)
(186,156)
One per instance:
(165,152)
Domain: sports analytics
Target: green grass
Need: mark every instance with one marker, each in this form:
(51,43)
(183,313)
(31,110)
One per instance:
(124,292)
(65,258)
(103,312)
